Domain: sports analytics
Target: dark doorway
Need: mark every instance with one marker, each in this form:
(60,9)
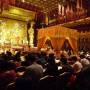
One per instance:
(48,43)
(67,47)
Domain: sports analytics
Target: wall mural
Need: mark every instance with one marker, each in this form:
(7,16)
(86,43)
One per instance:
(12,32)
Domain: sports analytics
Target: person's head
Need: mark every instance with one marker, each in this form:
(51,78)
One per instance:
(17,56)
(82,56)
(63,60)
(62,55)
(8,53)
(83,79)
(11,65)
(43,53)
(51,55)
(23,83)
(51,59)
(32,57)
(74,58)
(3,65)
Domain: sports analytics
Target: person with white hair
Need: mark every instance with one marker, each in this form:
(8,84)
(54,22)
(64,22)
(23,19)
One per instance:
(84,61)
(77,66)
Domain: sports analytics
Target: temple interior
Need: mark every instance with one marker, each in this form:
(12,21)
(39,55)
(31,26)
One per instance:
(44,44)
(21,20)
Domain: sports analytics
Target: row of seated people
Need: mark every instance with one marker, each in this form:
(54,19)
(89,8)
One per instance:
(37,71)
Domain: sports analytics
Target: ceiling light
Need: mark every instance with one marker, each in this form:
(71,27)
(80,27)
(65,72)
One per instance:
(23,0)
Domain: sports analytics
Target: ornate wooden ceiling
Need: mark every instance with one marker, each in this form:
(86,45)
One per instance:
(51,8)
(45,5)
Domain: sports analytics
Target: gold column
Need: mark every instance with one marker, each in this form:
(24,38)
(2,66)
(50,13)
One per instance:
(31,35)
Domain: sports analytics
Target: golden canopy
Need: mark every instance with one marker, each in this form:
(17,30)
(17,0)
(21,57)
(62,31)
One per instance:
(57,35)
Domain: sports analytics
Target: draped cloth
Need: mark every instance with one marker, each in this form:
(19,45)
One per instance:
(57,43)
(58,35)
(41,43)
(73,43)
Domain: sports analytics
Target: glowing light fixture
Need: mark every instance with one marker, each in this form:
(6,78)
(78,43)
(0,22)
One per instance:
(23,0)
